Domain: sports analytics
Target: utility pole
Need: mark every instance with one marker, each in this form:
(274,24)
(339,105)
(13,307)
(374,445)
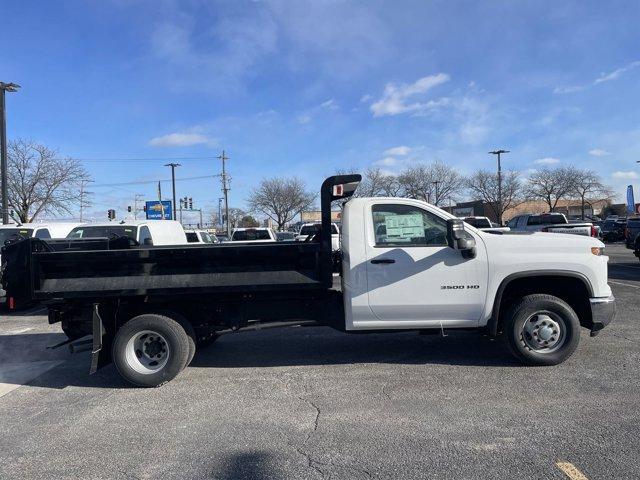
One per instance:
(173,184)
(83,194)
(4,87)
(220,218)
(225,190)
(498,153)
(436,183)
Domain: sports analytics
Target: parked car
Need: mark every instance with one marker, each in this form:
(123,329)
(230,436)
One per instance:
(484,224)
(613,230)
(200,236)
(145,232)
(253,235)
(286,236)
(632,235)
(147,310)
(308,230)
(550,222)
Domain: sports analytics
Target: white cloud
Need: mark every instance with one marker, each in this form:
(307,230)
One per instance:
(569,89)
(604,77)
(304,119)
(547,161)
(630,175)
(178,139)
(387,162)
(365,98)
(607,77)
(401,150)
(397,99)
(599,152)
(329,104)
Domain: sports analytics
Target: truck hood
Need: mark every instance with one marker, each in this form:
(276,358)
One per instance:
(557,252)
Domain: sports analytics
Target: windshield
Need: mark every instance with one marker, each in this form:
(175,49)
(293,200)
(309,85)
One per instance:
(12,233)
(547,219)
(206,237)
(106,231)
(245,235)
(478,222)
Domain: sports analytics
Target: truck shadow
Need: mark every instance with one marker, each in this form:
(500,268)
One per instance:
(298,346)
(311,346)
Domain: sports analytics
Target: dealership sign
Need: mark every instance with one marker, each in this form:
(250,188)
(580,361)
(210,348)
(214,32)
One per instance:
(156,209)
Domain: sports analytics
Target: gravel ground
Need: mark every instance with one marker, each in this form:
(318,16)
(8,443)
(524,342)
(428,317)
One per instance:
(314,403)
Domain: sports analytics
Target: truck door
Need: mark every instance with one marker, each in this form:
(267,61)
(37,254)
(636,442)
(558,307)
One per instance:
(413,277)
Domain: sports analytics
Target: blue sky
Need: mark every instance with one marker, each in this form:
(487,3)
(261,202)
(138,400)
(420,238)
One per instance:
(303,88)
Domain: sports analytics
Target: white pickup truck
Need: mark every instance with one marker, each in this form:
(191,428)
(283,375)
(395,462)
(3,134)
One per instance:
(404,265)
(551,222)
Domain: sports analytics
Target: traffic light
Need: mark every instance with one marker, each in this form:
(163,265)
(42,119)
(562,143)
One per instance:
(111,214)
(190,203)
(129,209)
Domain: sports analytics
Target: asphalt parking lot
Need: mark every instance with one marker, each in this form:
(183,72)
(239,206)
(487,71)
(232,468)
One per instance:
(314,403)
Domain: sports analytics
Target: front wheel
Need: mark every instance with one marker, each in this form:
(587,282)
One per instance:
(542,330)
(150,349)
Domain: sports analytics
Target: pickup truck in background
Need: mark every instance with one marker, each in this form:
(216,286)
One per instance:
(404,265)
(253,235)
(550,222)
(484,224)
(632,235)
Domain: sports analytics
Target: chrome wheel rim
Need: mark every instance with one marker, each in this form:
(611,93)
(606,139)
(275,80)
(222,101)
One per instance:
(544,332)
(147,352)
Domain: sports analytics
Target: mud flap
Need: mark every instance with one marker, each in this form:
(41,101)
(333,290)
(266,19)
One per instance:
(100,351)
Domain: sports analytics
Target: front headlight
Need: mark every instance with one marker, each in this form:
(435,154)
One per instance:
(597,251)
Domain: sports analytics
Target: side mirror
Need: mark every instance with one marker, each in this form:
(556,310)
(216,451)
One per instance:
(459,239)
(147,242)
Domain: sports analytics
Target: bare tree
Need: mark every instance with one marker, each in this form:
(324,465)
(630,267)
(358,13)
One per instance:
(587,186)
(551,185)
(248,221)
(431,182)
(39,182)
(235,217)
(484,186)
(281,199)
(376,183)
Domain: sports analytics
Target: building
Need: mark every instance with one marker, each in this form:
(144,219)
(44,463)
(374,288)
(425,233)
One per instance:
(571,208)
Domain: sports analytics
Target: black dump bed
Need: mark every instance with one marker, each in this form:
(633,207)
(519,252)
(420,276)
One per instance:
(61,269)
(35,269)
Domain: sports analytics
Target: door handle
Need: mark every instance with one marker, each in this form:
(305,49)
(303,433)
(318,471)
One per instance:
(383,260)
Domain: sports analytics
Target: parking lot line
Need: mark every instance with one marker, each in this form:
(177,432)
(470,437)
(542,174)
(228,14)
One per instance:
(571,471)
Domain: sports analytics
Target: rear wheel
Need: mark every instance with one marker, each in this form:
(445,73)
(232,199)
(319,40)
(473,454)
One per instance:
(150,349)
(542,330)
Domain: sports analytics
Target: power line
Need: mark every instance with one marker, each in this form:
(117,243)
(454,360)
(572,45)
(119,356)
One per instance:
(143,182)
(134,159)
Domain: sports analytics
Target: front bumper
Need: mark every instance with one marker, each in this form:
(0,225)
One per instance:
(603,310)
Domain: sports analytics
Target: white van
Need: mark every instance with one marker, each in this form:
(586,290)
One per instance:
(145,232)
(43,230)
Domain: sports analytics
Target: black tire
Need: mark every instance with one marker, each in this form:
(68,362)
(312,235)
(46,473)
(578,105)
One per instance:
(563,321)
(191,333)
(174,338)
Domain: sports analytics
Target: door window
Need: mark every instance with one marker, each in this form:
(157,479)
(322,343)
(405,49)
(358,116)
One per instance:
(513,223)
(43,233)
(397,225)
(145,236)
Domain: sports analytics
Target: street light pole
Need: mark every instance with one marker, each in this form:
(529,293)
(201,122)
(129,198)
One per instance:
(4,87)
(173,184)
(498,153)
(436,183)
